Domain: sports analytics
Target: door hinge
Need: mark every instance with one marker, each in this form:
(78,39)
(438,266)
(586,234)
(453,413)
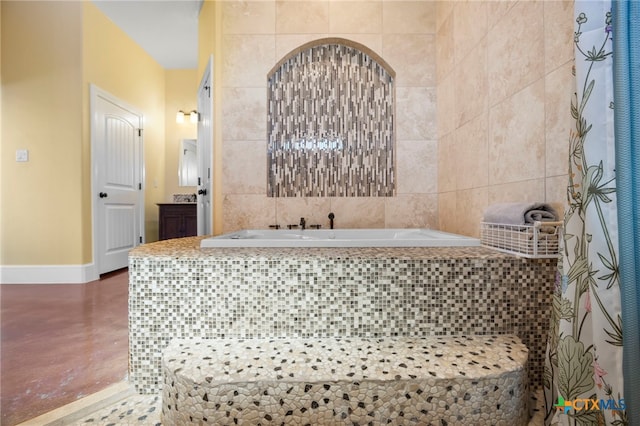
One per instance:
(140,186)
(139,132)
(140,239)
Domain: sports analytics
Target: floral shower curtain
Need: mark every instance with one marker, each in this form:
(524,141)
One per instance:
(583,381)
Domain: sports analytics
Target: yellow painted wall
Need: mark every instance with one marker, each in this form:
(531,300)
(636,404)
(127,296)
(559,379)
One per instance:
(57,49)
(181,87)
(206,35)
(41,200)
(0,126)
(113,62)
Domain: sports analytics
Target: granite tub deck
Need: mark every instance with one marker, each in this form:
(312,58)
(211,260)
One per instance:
(178,290)
(393,380)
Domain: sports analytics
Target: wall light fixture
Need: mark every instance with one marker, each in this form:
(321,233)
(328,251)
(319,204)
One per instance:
(193,116)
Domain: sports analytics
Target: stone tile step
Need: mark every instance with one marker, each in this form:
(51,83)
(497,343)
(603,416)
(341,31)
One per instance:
(393,380)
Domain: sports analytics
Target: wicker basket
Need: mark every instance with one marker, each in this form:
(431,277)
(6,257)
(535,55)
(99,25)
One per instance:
(537,241)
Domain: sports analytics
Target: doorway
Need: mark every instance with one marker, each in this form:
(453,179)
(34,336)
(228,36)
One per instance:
(117,180)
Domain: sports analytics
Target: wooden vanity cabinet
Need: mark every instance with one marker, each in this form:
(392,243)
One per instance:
(177,220)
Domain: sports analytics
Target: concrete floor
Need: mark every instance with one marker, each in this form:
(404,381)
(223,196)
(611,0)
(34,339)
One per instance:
(60,342)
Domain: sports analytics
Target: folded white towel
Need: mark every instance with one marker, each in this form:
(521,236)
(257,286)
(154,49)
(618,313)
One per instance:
(519,213)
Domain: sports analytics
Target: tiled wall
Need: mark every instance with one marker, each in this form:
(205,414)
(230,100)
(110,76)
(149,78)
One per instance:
(255,36)
(504,91)
(330,124)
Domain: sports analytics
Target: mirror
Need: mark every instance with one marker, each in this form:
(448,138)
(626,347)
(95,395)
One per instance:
(188,164)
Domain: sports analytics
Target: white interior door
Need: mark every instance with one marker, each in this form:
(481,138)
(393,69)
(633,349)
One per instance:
(117,181)
(205,153)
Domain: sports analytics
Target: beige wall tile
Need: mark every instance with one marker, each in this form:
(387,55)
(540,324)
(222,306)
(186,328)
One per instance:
(314,210)
(516,137)
(242,211)
(409,17)
(556,192)
(444,11)
(527,60)
(445,48)
(370,41)
(248,17)
(244,167)
(286,43)
(416,166)
(472,153)
(516,49)
(523,191)
(558,36)
(447,163)
(413,58)
(256,35)
(471,86)
(470,206)
(358,212)
(412,211)
(469,27)
(244,111)
(248,59)
(355,17)
(558,121)
(496,10)
(446,106)
(302,17)
(446,211)
(415,113)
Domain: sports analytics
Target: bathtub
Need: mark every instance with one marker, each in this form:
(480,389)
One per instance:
(340,238)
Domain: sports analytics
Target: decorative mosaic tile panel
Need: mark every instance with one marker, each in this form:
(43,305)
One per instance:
(331,125)
(178,290)
(431,380)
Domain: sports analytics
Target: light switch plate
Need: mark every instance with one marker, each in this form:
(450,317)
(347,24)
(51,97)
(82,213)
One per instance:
(22,155)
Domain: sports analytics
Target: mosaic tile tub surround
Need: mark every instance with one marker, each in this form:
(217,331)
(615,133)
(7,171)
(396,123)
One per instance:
(393,380)
(178,290)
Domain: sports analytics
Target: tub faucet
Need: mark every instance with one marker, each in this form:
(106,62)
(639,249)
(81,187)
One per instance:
(303,223)
(331,217)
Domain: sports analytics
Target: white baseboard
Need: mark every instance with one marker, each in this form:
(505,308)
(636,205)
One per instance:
(48,274)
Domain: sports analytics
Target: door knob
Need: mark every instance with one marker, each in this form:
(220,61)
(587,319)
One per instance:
(103,195)
(202,192)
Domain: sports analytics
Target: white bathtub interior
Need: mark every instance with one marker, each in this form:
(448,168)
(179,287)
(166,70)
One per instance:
(340,238)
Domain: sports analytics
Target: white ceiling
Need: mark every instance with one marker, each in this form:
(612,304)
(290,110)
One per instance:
(166,29)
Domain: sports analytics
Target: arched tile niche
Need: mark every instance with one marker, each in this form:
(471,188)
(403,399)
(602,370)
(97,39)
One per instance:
(331,122)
